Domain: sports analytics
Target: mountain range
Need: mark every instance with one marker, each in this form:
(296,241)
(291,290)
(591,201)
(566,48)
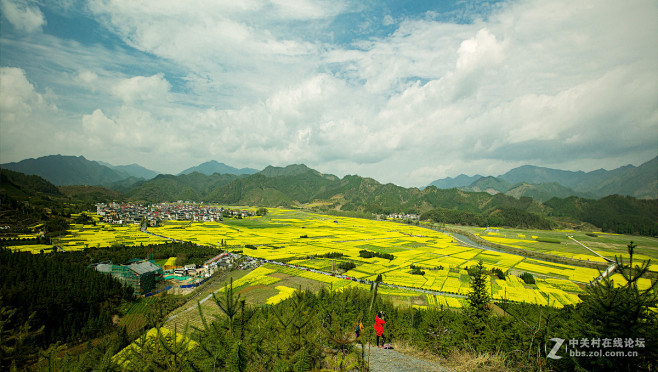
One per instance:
(132,170)
(62,170)
(539,183)
(299,186)
(543,183)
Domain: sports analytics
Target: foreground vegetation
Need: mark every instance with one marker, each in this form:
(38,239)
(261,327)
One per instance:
(56,298)
(313,330)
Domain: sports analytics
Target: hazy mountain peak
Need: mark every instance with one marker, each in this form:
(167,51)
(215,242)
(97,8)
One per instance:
(210,167)
(67,170)
(459,181)
(640,182)
(289,170)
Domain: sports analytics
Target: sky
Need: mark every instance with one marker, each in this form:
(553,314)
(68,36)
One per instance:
(403,91)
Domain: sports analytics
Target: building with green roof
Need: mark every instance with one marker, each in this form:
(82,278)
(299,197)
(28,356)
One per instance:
(141,275)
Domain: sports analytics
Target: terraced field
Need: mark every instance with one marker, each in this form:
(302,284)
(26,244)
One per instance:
(301,239)
(558,243)
(104,235)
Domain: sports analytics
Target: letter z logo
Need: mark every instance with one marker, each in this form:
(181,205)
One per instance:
(556,347)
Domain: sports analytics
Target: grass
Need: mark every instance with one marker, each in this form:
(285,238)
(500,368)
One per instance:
(135,318)
(461,360)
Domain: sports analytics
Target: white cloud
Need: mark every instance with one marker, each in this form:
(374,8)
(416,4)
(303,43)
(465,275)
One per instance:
(22,15)
(17,95)
(27,118)
(224,47)
(533,83)
(479,51)
(142,88)
(87,77)
(308,9)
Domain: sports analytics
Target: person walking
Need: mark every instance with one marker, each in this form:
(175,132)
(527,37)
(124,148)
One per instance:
(359,328)
(379,327)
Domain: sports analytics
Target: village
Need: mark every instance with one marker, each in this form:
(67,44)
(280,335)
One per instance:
(147,278)
(129,213)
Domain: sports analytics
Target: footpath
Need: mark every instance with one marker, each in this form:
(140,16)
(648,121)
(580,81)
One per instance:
(391,360)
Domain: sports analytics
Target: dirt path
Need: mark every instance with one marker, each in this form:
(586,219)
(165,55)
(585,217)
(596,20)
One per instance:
(386,360)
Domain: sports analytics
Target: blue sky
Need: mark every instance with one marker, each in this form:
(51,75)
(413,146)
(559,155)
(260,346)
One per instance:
(401,91)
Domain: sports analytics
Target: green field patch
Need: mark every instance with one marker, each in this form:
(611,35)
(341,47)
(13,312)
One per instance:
(135,318)
(413,245)
(380,249)
(252,224)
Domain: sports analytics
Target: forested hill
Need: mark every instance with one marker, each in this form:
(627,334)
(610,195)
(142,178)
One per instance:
(166,187)
(300,186)
(67,170)
(297,184)
(619,214)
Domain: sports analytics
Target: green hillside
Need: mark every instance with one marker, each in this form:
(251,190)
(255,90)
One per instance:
(167,187)
(67,170)
(618,214)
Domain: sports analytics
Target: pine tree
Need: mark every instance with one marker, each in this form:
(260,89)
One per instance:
(478,309)
(621,310)
(15,342)
(478,297)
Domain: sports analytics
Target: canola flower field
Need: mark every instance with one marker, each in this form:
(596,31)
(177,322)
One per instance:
(558,243)
(104,235)
(300,239)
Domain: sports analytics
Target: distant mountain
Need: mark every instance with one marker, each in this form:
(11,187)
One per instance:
(292,170)
(540,192)
(67,170)
(536,175)
(459,181)
(640,182)
(210,167)
(132,170)
(544,191)
(491,185)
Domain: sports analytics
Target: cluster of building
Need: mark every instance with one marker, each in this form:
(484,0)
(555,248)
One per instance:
(153,214)
(232,261)
(141,275)
(144,275)
(399,216)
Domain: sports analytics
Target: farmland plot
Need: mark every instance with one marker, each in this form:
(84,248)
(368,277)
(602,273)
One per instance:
(302,238)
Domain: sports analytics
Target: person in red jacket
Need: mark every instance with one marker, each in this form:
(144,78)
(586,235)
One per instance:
(379,327)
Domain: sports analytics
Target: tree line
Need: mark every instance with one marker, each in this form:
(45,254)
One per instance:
(510,217)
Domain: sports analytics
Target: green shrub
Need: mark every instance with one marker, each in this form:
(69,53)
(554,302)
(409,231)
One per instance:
(498,272)
(547,240)
(527,278)
(345,266)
